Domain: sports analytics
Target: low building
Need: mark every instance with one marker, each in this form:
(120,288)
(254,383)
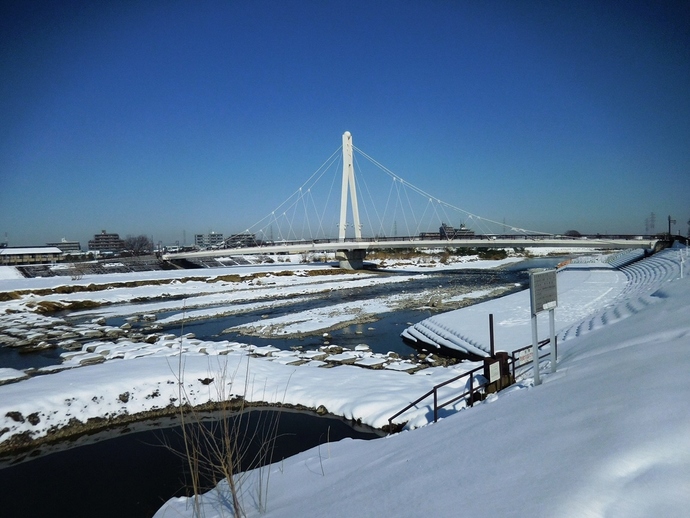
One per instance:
(242,240)
(106,243)
(448,232)
(67,246)
(13,256)
(210,240)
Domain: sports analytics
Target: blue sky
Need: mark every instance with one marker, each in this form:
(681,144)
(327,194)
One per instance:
(175,118)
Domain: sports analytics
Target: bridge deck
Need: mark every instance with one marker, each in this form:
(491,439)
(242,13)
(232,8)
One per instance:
(600,242)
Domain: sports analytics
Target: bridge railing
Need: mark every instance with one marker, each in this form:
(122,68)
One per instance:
(469,237)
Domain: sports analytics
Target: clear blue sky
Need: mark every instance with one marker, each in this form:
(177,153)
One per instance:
(160,118)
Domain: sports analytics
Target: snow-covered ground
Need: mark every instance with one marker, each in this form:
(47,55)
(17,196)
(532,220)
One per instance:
(215,292)
(93,382)
(590,293)
(607,435)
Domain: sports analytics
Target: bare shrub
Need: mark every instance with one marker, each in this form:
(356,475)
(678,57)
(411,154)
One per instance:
(78,270)
(218,449)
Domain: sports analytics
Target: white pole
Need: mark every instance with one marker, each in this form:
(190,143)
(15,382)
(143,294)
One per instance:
(680,256)
(535,350)
(552,330)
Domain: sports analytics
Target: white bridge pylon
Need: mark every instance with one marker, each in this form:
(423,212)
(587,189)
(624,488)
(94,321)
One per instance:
(348,185)
(351,251)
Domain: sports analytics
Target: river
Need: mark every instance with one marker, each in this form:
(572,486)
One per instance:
(128,472)
(381,336)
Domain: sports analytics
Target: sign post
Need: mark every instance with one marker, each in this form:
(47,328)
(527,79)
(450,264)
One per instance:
(680,257)
(543,297)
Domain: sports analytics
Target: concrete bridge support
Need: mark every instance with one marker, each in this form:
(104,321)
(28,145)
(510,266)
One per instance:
(351,259)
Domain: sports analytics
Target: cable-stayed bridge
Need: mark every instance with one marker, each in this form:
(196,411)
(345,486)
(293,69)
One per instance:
(394,214)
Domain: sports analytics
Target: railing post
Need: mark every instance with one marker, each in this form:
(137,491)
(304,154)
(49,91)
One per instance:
(435,405)
(491,334)
(472,389)
(535,351)
(552,339)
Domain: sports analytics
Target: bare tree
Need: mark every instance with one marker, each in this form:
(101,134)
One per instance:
(138,245)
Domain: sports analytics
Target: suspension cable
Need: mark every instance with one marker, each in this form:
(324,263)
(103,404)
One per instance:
(426,194)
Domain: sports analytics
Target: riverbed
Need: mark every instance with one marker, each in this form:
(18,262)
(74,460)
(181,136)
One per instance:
(306,314)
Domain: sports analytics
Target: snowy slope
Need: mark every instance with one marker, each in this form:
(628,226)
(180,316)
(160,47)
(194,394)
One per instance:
(607,435)
(588,297)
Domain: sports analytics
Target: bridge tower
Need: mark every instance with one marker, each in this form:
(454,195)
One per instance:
(348,184)
(351,259)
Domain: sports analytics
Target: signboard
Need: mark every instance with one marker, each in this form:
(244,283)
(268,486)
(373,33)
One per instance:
(543,291)
(494,372)
(525,357)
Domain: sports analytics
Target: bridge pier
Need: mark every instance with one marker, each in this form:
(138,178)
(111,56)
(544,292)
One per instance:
(351,259)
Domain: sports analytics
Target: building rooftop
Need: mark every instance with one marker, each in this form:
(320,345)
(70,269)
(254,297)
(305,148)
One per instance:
(30,250)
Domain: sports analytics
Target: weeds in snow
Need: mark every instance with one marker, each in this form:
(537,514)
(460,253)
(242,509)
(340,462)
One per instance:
(229,445)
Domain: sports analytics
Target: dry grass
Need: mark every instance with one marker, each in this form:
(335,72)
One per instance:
(217,450)
(45,307)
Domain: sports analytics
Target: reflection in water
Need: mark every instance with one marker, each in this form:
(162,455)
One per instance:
(132,470)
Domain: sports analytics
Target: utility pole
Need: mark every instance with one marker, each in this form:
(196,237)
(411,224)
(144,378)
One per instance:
(670,222)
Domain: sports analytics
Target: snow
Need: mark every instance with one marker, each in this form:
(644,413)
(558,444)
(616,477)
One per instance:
(316,319)
(17,282)
(587,295)
(9,272)
(606,435)
(30,250)
(7,374)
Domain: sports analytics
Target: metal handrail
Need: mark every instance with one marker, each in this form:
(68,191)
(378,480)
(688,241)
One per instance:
(434,391)
(472,389)
(513,356)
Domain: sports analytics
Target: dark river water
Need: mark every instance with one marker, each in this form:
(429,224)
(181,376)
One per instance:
(381,336)
(126,473)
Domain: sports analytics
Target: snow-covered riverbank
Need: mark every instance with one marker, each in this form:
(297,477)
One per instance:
(627,446)
(607,435)
(195,295)
(591,293)
(54,396)
(105,386)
